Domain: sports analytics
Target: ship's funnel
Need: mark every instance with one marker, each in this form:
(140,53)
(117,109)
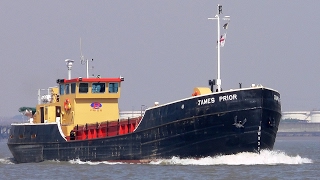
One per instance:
(69,63)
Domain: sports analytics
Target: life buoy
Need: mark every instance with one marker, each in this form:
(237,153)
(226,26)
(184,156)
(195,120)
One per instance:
(67,105)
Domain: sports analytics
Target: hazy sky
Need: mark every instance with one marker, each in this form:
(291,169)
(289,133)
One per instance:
(163,48)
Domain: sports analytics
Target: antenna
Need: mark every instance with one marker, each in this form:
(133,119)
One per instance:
(83,60)
(81,56)
(217,17)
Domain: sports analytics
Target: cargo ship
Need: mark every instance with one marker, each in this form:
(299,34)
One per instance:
(79,119)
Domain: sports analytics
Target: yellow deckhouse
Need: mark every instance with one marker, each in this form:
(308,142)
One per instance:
(80,101)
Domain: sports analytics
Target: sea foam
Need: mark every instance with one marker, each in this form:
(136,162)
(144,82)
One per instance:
(265,157)
(7,160)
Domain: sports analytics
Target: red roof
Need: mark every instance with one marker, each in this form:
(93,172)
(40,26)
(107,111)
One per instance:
(93,80)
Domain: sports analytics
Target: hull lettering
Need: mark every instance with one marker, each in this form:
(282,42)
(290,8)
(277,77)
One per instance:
(206,101)
(228,97)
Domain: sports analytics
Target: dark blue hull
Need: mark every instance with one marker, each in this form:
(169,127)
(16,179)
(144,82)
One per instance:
(244,120)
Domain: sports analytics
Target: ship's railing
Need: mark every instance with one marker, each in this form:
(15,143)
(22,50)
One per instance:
(104,129)
(131,114)
(45,95)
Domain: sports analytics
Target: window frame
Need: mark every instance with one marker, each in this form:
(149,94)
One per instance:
(112,88)
(102,87)
(67,88)
(61,89)
(73,88)
(80,87)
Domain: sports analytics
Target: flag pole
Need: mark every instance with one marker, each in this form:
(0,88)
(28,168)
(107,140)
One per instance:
(219,8)
(217,17)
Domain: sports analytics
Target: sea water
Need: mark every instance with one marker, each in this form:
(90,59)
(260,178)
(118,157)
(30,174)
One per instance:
(292,158)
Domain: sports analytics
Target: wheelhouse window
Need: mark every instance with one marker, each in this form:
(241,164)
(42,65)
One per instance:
(61,89)
(98,87)
(113,87)
(67,89)
(83,88)
(73,88)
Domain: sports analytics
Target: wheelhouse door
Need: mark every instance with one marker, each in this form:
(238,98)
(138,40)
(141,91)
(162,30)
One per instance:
(42,114)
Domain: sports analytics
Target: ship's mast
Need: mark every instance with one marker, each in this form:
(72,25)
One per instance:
(84,61)
(217,17)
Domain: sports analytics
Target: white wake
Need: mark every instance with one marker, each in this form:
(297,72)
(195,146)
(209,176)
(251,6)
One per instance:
(265,157)
(78,161)
(6,161)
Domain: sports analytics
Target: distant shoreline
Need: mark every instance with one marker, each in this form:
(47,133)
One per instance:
(305,138)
